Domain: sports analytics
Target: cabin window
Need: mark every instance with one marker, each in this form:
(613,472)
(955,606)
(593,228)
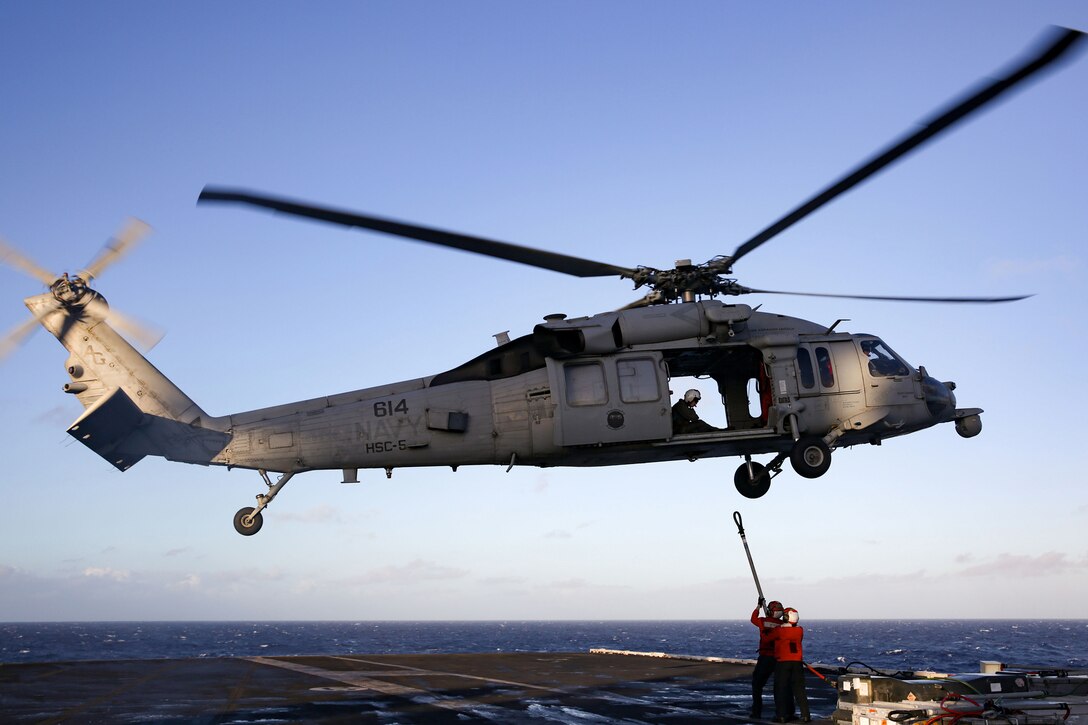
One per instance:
(585,384)
(755,398)
(638,380)
(883,363)
(823,364)
(804,369)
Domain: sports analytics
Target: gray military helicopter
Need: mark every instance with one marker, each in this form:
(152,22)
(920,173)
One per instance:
(590,391)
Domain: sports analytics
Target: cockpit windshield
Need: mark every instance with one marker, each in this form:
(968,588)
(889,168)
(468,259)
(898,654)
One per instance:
(883,363)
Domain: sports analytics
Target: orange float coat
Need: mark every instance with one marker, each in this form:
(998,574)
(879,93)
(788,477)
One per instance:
(786,641)
(767,627)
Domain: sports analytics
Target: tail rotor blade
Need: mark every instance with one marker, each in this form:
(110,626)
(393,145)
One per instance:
(17,337)
(12,257)
(133,231)
(144,334)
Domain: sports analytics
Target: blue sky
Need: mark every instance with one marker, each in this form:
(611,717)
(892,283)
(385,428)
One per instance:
(632,133)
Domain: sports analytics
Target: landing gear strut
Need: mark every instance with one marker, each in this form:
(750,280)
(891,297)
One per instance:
(810,456)
(752,479)
(248,520)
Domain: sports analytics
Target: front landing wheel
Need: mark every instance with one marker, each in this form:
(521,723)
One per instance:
(754,485)
(246,522)
(810,457)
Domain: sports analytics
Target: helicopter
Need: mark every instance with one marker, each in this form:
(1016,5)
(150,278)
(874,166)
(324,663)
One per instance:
(585,391)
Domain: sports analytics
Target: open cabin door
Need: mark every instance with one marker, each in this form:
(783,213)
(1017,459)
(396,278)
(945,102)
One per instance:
(611,399)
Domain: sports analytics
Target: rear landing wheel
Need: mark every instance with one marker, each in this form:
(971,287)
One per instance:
(754,485)
(810,457)
(246,522)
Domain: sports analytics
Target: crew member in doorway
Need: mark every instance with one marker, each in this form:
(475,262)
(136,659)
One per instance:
(766,662)
(789,669)
(684,417)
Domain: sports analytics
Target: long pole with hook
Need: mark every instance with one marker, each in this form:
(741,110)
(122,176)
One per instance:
(740,530)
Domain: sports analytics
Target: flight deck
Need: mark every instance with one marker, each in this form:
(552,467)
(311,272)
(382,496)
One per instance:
(524,687)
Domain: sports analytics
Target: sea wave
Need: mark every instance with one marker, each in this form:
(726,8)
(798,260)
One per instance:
(942,645)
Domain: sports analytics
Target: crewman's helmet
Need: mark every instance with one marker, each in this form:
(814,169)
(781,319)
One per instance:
(775,608)
(791,615)
(692,395)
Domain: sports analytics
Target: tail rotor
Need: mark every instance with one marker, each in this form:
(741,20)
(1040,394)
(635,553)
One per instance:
(73,295)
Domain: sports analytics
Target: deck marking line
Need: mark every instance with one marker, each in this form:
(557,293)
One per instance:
(350,678)
(422,671)
(615,696)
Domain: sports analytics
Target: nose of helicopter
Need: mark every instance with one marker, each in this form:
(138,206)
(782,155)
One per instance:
(940,399)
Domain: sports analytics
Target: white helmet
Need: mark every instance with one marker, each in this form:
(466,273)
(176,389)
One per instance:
(692,395)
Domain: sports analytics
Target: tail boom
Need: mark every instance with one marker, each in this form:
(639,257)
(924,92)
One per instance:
(132,409)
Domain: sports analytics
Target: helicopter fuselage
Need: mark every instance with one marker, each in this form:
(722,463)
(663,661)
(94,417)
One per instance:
(592,391)
(581,393)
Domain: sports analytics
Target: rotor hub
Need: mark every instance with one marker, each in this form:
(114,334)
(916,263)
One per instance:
(687,281)
(69,291)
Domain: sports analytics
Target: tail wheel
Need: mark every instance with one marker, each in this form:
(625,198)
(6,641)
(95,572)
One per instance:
(246,522)
(810,457)
(754,485)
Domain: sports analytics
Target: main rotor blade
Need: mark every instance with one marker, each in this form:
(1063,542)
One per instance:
(1053,50)
(651,299)
(890,298)
(16,259)
(133,231)
(503,250)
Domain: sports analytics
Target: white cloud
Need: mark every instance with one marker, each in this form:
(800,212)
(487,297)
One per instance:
(503,581)
(105,572)
(1004,268)
(246,577)
(192,581)
(321,514)
(413,571)
(1020,565)
(580,584)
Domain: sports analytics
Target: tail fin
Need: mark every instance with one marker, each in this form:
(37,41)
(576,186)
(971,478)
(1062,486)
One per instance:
(132,409)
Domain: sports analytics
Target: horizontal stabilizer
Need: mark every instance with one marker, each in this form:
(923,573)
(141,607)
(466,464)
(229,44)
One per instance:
(106,425)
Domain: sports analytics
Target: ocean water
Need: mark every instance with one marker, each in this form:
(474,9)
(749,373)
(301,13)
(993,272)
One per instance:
(886,645)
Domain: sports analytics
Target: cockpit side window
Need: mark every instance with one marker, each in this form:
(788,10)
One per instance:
(883,363)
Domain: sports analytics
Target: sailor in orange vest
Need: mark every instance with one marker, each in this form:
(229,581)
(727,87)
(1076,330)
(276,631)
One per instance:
(789,669)
(765,663)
